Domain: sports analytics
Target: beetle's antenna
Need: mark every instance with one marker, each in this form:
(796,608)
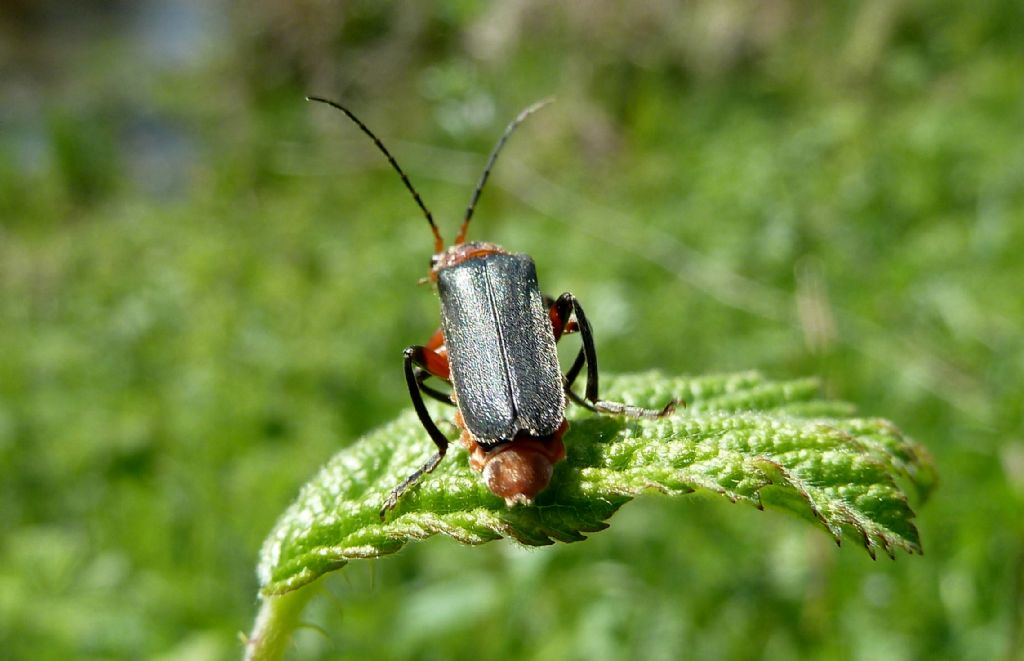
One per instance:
(438,241)
(490,163)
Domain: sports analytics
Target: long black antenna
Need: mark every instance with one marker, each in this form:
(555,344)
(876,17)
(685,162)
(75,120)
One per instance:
(438,241)
(490,163)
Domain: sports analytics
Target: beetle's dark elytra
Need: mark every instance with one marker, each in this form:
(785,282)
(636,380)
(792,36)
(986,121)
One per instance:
(501,348)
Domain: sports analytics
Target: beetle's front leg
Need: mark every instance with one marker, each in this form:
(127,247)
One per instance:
(567,305)
(417,358)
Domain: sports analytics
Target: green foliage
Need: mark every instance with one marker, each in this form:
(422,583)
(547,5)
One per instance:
(741,436)
(205,287)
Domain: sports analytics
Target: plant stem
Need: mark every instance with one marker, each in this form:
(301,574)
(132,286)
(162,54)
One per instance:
(274,624)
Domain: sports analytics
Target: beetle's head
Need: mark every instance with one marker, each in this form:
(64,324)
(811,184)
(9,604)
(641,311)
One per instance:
(460,252)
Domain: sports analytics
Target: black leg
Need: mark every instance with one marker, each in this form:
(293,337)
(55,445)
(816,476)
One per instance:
(574,371)
(415,355)
(421,376)
(564,308)
(565,304)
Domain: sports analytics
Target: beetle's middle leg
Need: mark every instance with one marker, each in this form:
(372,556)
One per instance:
(565,306)
(435,364)
(421,360)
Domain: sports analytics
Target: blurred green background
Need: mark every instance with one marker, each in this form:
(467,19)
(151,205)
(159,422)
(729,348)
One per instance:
(206,284)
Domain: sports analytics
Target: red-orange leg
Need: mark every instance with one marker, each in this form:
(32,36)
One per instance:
(436,341)
(560,323)
(434,363)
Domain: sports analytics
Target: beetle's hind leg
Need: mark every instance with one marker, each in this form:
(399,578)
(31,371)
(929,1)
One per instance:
(416,363)
(567,305)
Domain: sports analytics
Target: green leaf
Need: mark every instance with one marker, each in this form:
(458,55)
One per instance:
(742,436)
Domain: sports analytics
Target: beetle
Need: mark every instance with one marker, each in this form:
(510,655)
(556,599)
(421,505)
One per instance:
(496,348)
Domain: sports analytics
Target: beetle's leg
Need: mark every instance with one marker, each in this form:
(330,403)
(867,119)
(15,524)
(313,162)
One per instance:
(436,341)
(559,311)
(574,371)
(418,357)
(421,376)
(563,307)
(435,364)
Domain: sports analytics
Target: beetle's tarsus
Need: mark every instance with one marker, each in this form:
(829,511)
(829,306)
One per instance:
(618,408)
(410,481)
(627,410)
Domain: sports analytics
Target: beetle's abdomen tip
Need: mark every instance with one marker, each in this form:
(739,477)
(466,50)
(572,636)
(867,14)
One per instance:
(518,499)
(517,474)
